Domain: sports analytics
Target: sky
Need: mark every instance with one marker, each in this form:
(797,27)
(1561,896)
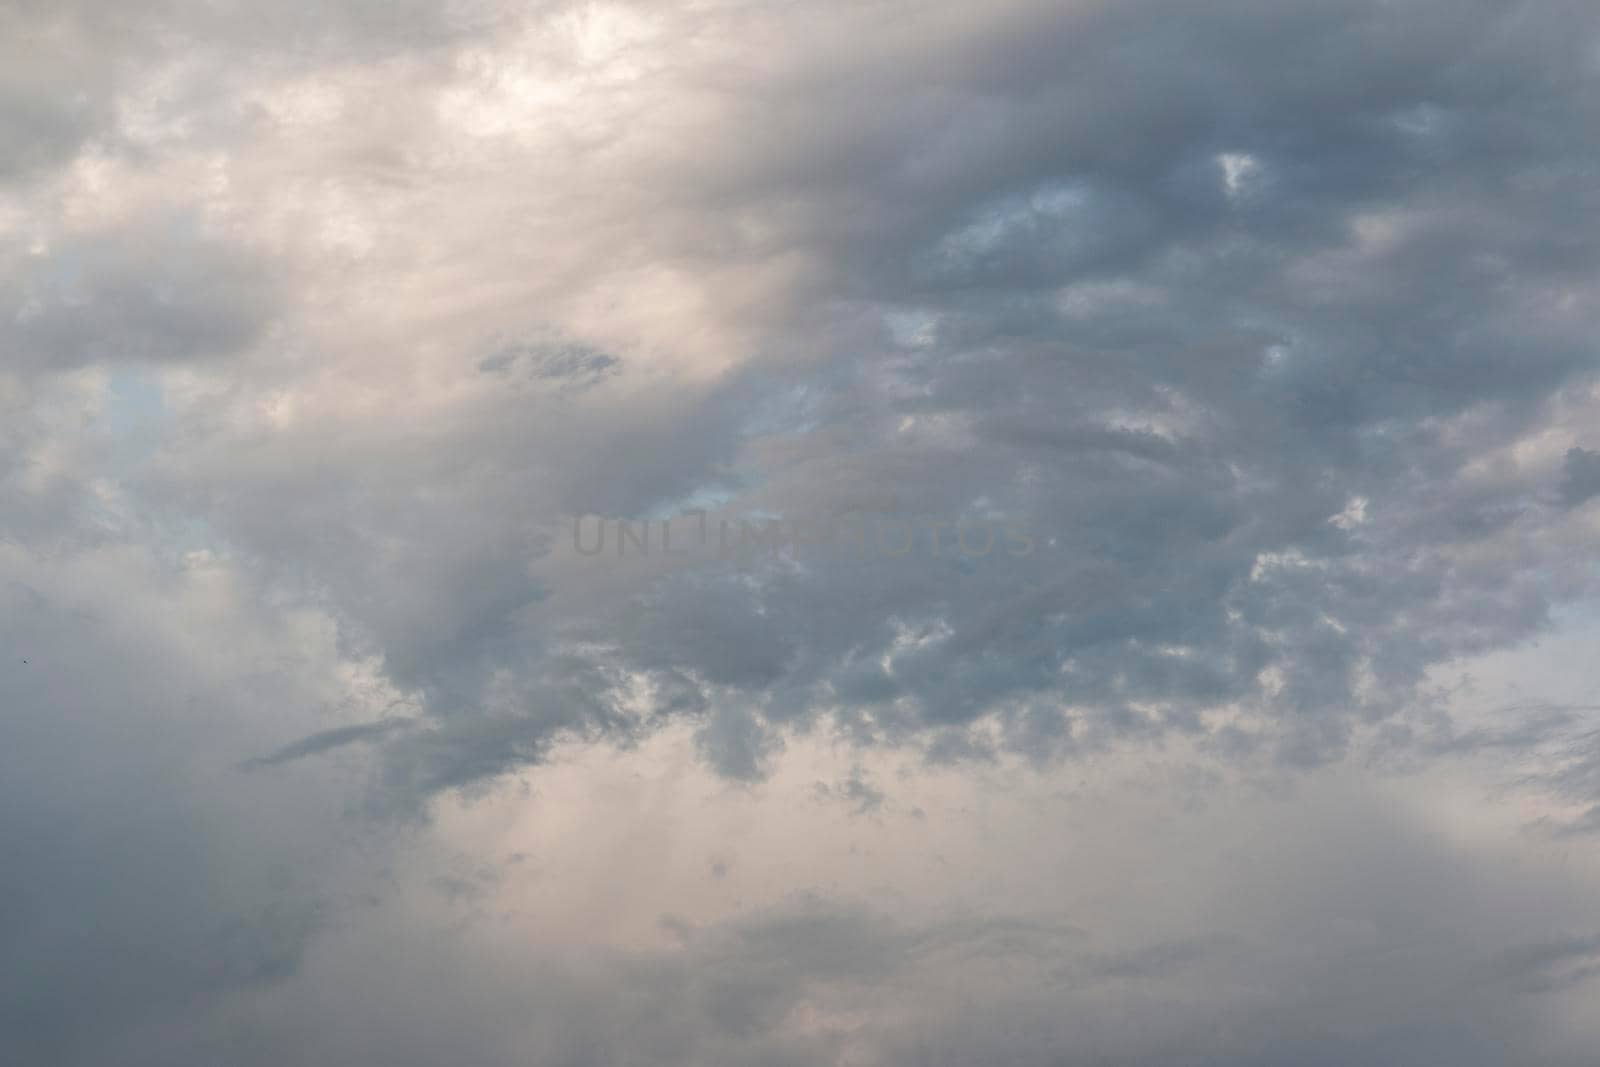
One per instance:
(858,533)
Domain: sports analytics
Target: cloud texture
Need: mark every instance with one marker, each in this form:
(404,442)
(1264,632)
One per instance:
(1268,329)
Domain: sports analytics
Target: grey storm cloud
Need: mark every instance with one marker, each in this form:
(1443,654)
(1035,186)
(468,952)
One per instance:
(323,325)
(1223,307)
(154,293)
(132,886)
(1580,476)
(325,741)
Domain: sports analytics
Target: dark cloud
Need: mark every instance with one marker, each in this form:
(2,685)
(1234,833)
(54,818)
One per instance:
(1580,477)
(134,885)
(53,93)
(326,741)
(856,792)
(1230,357)
(563,364)
(156,292)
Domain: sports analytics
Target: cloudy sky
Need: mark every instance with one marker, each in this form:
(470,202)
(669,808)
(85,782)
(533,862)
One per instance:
(868,533)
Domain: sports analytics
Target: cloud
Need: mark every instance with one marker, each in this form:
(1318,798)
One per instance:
(141,876)
(325,741)
(153,292)
(1177,388)
(856,792)
(1312,931)
(1581,477)
(1259,340)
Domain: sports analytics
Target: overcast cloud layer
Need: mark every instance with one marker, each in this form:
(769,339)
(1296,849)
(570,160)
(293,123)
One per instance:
(1202,401)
